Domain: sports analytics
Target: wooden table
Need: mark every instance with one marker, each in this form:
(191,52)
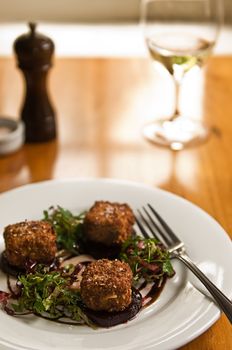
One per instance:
(101,106)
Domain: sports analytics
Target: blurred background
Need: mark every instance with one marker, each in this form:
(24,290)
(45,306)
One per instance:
(86,27)
(79,10)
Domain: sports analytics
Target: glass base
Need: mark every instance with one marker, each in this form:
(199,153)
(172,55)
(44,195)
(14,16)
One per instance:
(177,133)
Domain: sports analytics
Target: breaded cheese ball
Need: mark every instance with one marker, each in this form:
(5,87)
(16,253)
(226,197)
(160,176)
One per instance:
(106,285)
(109,223)
(29,240)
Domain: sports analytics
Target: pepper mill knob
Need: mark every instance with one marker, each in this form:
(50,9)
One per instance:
(34,53)
(32,27)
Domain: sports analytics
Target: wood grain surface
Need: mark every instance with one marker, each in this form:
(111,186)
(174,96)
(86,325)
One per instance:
(101,106)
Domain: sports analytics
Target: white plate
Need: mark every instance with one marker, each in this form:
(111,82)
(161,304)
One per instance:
(180,314)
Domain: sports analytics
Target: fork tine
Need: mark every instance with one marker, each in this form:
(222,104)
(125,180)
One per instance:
(152,226)
(142,229)
(174,238)
(147,224)
(162,235)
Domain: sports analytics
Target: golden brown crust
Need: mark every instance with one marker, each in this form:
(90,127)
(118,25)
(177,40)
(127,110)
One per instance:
(34,240)
(106,285)
(109,223)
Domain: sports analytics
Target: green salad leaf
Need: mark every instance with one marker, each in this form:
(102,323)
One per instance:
(49,294)
(148,259)
(68,227)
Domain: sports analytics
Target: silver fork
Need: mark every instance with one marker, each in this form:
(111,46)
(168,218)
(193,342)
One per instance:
(151,223)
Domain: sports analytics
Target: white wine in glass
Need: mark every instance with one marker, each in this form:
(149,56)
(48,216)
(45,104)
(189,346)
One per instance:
(179,34)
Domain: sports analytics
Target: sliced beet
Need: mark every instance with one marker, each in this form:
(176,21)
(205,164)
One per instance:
(110,319)
(7,268)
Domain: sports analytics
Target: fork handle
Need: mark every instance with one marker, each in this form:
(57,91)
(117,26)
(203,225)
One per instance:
(223,302)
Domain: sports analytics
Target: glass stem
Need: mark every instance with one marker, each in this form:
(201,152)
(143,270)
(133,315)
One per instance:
(177,98)
(177,78)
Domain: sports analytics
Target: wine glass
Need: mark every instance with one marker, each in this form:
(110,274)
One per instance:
(179,34)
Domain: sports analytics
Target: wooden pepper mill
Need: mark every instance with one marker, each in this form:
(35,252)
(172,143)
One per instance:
(34,54)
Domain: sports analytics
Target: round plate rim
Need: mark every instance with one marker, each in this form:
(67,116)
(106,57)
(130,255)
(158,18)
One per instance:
(215,313)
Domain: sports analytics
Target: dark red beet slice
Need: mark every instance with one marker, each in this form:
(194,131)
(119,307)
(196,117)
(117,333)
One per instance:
(100,251)
(110,319)
(7,268)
